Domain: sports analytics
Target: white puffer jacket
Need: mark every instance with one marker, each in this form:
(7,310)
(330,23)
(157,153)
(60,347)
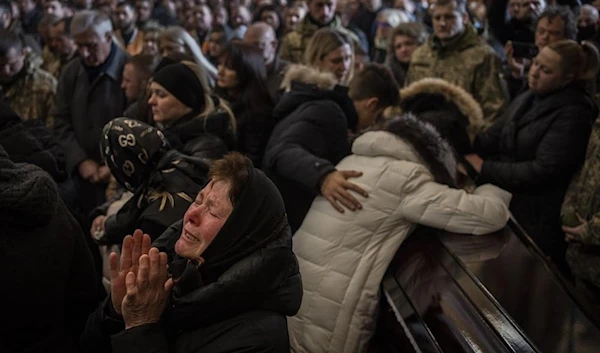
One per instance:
(343,256)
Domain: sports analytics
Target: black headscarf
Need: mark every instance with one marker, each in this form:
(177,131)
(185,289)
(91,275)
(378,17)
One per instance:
(131,149)
(256,241)
(257,218)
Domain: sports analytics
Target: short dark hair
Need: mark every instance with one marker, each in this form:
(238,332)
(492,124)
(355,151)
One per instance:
(145,64)
(67,22)
(461,5)
(126,3)
(375,80)
(48,20)
(8,41)
(566,15)
(235,169)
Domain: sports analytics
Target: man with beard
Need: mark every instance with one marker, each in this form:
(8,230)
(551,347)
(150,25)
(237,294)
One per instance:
(321,13)
(128,34)
(24,86)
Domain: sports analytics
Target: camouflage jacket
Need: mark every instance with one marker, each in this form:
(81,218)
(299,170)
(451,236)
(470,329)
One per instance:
(51,62)
(583,199)
(54,64)
(465,61)
(32,95)
(294,43)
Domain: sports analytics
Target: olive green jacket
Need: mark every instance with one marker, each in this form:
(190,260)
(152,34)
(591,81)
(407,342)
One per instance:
(583,199)
(294,43)
(466,61)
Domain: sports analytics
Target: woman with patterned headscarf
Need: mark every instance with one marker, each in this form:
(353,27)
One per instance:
(163,181)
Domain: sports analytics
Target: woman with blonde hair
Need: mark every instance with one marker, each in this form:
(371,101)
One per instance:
(329,50)
(534,150)
(176,39)
(194,121)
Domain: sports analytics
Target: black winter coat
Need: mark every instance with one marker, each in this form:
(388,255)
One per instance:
(48,276)
(533,152)
(209,138)
(31,142)
(253,131)
(310,138)
(244,310)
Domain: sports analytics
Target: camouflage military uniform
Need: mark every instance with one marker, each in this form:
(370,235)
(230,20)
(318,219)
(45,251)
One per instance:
(51,62)
(54,64)
(467,62)
(32,94)
(583,198)
(294,43)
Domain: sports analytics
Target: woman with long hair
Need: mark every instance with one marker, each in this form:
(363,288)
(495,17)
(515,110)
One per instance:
(329,50)
(242,80)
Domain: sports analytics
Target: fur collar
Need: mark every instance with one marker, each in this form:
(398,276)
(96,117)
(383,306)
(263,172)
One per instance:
(407,138)
(465,102)
(309,76)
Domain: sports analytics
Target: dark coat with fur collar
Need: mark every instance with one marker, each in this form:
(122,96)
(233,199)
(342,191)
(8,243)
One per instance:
(310,138)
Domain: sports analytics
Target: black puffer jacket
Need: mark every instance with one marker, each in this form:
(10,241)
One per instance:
(533,152)
(48,276)
(310,138)
(209,138)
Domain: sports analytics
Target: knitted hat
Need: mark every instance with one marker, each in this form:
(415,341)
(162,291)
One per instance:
(180,81)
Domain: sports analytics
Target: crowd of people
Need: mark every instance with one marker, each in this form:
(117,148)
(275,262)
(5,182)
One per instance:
(225,176)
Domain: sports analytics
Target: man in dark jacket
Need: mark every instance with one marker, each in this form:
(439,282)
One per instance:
(47,271)
(262,35)
(236,277)
(89,96)
(311,136)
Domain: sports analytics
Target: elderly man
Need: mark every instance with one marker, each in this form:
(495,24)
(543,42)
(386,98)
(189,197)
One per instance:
(89,95)
(234,275)
(456,54)
(262,35)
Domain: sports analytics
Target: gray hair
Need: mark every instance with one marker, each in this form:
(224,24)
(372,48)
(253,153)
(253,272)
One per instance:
(179,35)
(88,20)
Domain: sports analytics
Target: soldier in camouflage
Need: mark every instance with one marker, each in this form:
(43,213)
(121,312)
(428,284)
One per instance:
(456,54)
(24,86)
(580,217)
(62,45)
(321,13)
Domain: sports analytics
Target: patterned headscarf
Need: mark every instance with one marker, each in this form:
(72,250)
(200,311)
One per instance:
(131,150)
